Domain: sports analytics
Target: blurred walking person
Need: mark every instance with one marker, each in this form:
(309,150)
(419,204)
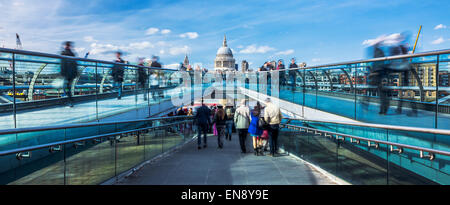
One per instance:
(118,74)
(403,66)
(143,78)
(220,119)
(242,123)
(69,70)
(154,84)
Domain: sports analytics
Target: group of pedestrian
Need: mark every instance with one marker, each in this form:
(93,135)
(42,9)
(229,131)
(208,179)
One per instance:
(69,72)
(262,123)
(281,69)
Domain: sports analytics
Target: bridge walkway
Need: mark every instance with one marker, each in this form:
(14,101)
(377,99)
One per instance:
(227,166)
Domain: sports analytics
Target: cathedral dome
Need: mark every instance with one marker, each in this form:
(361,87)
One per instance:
(224,51)
(224,58)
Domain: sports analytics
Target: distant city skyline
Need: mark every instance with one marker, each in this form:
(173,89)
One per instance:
(315,32)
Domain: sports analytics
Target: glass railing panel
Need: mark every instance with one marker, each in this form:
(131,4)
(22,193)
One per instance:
(336,89)
(404,91)
(38,138)
(173,136)
(38,167)
(108,103)
(421,169)
(153,143)
(130,152)
(6,92)
(294,142)
(322,150)
(359,163)
(443,97)
(39,92)
(404,170)
(90,162)
(310,88)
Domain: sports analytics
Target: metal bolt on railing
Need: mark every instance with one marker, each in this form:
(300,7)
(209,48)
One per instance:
(79,144)
(355,141)
(375,145)
(429,155)
(96,141)
(328,135)
(340,138)
(55,149)
(317,133)
(399,150)
(20,156)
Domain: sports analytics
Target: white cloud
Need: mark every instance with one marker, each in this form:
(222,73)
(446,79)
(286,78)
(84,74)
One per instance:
(103,48)
(151,31)
(286,52)
(166,31)
(79,50)
(440,26)
(386,40)
(438,41)
(89,39)
(97,48)
(255,49)
(315,60)
(140,45)
(162,52)
(18,3)
(179,50)
(190,35)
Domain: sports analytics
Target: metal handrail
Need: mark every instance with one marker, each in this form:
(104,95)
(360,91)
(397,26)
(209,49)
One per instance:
(48,55)
(57,127)
(53,144)
(381,126)
(40,54)
(398,145)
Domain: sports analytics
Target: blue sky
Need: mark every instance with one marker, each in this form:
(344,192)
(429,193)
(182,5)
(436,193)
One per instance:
(316,32)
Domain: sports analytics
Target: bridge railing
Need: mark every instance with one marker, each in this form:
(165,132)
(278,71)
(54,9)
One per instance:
(351,89)
(31,80)
(363,153)
(89,153)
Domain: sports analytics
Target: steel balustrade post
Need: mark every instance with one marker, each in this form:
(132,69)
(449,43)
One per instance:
(14,90)
(437,92)
(96,92)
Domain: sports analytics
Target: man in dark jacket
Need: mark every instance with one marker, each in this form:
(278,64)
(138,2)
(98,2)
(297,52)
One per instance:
(117,74)
(69,70)
(203,120)
(282,71)
(292,73)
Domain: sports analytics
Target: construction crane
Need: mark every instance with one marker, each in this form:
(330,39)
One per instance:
(417,39)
